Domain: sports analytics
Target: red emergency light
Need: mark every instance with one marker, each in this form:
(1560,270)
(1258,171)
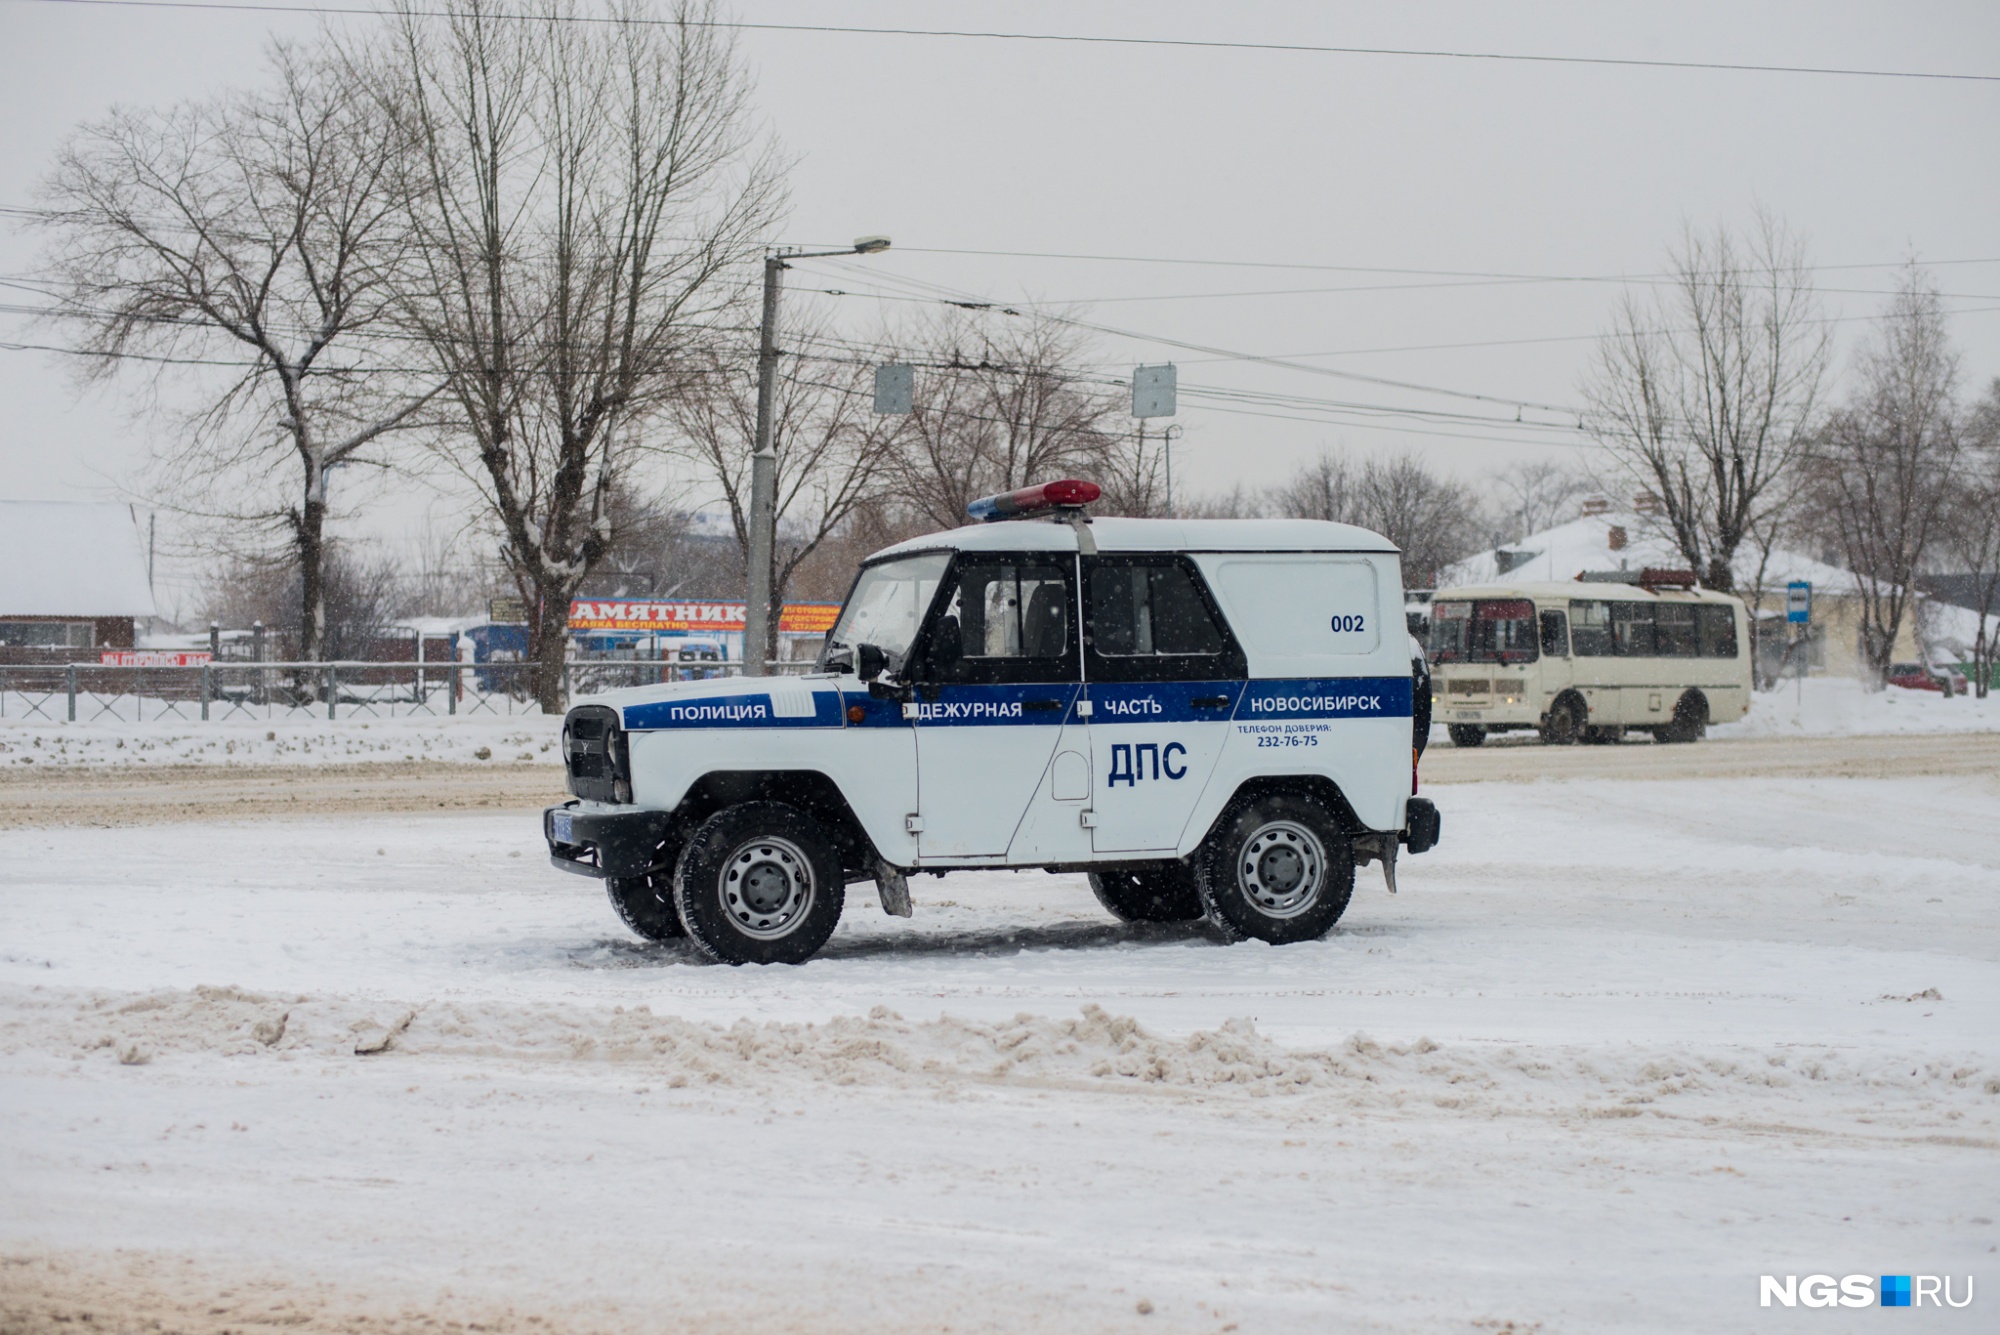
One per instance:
(1065,494)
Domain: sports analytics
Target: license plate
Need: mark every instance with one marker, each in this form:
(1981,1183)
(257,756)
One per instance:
(1468,713)
(563,827)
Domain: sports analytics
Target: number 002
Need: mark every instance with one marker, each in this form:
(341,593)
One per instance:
(1347,625)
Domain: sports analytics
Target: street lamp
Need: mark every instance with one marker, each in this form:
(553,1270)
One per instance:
(764,462)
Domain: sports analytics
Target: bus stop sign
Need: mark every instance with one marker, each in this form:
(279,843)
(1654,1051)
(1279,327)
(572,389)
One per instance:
(1798,602)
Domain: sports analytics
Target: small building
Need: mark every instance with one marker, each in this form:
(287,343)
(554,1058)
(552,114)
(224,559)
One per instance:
(73,580)
(1605,539)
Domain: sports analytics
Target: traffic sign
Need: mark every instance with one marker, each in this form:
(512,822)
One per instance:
(1798,602)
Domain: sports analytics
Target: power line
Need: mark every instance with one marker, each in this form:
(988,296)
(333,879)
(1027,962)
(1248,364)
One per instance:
(1081,39)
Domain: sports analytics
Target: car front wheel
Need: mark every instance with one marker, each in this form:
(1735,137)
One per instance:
(759,884)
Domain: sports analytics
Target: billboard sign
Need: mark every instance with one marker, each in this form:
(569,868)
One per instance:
(693,617)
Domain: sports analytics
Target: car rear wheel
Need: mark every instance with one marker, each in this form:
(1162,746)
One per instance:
(1280,869)
(1465,734)
(1162,892)
(759,884)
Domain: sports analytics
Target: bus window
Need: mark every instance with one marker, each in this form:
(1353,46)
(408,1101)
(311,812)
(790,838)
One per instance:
(1590,628)
(1489,630)
(1555,635)
(1718,631)
(1675,630)
(1632,633)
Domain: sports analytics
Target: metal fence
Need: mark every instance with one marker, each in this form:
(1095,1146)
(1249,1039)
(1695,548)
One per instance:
(90,692)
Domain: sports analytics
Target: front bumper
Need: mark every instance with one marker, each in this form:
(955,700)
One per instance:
(591,839)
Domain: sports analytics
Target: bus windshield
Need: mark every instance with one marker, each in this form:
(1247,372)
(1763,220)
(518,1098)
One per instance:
(1483,630)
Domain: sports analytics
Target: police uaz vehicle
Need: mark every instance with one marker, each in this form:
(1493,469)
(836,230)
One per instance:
(1211,718)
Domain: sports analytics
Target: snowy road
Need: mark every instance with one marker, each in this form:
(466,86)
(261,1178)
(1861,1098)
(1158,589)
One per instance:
(1617,1049)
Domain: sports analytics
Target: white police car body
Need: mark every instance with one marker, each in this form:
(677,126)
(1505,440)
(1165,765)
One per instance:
(1211,717)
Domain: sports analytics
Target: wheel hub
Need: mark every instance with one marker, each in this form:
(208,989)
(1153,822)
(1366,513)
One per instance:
(767,887)
(1282,869)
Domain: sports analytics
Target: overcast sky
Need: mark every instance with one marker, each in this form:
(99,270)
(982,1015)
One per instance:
(1548,171)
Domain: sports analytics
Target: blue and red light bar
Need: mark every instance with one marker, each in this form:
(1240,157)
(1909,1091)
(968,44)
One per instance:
(1066,494)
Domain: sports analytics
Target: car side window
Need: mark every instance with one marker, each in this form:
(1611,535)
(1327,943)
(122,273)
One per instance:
(1632,630)
(1003,619)
(1150,618)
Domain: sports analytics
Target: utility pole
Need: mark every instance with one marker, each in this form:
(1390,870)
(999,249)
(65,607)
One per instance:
(764,459)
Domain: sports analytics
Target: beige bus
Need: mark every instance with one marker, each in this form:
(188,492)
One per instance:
(1588,660)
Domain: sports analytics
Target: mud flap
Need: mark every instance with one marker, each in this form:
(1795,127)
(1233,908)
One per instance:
(894,889)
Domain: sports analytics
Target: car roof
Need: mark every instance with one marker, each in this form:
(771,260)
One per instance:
(1043,534)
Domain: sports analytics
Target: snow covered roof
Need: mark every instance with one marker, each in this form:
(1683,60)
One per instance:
(71,558)
(1560,553)
(1153,535)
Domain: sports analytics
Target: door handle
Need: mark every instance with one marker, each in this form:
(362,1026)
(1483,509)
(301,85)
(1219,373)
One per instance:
(1041,706)
(1210,702)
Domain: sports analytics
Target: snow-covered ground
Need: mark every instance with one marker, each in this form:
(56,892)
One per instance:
(1843,707)
(1618,1049)
(519,739)
(1825,708)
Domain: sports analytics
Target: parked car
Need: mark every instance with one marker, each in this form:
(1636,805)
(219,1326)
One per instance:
(1923,677)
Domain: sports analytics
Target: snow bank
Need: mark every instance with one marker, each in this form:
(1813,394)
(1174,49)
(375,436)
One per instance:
(1096,1049)
(1840,707)
(521,739)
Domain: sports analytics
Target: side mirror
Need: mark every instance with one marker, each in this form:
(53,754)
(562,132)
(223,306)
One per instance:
(869,662)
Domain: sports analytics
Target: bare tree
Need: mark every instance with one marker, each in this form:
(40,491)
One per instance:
(1002,402)
(582,194)
(1973,529)
(1882,473)
(834,453)
(1433,519)
(1707,392)
(1536,494)
(248,235)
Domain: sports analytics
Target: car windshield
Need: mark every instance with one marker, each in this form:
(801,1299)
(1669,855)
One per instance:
(1483,630)
(888,602)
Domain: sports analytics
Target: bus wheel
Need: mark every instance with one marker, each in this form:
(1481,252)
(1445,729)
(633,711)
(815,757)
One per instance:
(1465,734)
(1562,726)
(1280,869)
(1690,719)
(1162,893)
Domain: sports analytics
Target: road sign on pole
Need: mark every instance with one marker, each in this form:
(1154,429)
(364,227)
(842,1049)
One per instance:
(1153,391)
(895,389)
(1798,602)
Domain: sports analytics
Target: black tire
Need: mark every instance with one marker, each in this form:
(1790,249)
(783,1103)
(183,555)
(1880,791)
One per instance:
(646,905)
(759,883)
(1465,734)
(1278,869)
(1563,726)
(1690,719)
(1162,892)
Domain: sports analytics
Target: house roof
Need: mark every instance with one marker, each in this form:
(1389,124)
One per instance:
(72,559)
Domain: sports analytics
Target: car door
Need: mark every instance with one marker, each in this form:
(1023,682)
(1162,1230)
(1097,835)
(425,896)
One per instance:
(996,674)
(1163,675)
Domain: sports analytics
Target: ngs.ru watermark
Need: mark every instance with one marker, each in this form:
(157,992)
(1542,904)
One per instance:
(1861,1291)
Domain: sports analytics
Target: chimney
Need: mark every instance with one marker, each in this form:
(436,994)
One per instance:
(1616,538)
(1595,505)
(1647,503)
